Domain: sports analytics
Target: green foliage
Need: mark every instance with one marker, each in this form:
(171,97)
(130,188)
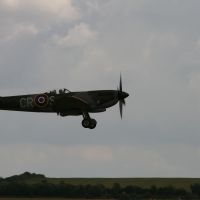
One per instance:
(124,196)
(19,186)
(153,190)
(24,176)
(116,190)
(139,182)
(47,189)
(195,188)
(129,189)
(124,182)
(80,191)
(95,190)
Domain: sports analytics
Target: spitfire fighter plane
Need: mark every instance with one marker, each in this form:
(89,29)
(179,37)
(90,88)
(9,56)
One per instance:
(65,103)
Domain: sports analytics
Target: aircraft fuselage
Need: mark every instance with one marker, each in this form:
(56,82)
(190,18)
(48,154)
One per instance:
(92,101)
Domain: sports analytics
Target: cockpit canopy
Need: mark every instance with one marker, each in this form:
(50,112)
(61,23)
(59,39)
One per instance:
(59,91)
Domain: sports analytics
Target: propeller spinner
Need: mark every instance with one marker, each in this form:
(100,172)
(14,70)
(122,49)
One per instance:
(121,96)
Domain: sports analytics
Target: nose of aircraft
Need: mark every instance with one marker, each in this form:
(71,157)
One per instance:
(123,95)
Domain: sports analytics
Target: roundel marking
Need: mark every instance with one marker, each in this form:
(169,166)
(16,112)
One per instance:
(41,100)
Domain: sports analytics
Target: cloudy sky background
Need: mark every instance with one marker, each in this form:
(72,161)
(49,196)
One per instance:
(83,45)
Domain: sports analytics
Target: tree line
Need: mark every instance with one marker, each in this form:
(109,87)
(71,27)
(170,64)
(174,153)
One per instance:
(46,189)
(16,187)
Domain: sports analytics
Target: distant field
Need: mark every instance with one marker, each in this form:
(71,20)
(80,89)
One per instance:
(108,182)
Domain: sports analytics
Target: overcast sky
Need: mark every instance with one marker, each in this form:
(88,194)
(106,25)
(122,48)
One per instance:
(83,45)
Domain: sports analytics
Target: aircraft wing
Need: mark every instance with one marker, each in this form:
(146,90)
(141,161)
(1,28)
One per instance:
(72,102)
(69,102)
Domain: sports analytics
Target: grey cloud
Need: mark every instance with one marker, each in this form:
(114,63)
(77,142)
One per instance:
(137,160)
(39,11)
(155,46)
(79,35)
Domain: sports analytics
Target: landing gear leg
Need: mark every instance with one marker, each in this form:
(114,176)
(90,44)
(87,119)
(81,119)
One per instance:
(87,121)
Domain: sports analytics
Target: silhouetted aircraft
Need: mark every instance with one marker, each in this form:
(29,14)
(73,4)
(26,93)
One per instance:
(65,103)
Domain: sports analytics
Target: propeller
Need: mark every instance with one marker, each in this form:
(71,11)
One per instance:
(121,96)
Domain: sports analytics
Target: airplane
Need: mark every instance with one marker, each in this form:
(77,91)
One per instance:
(67,103)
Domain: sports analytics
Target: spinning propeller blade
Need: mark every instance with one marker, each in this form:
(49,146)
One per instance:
(121,96)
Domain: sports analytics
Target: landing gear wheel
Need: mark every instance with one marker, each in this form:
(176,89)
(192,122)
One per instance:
(86,123)
(93,124)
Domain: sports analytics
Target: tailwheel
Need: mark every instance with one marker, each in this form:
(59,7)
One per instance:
(86,123)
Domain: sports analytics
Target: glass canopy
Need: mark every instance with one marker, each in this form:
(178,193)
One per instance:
(59,91)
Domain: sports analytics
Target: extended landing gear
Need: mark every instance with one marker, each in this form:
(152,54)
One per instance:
(88,122)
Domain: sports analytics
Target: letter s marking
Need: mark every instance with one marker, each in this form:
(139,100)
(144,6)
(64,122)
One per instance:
(52,99)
